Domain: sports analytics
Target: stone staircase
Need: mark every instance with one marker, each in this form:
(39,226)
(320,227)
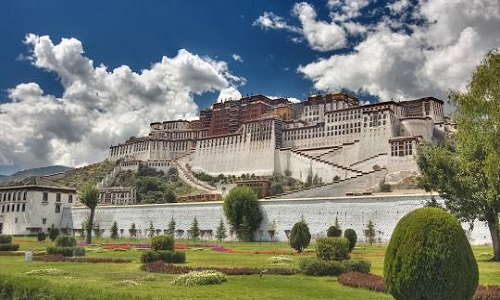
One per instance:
(360,184)
(188,176)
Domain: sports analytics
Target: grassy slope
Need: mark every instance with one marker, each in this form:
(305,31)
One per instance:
(107,277)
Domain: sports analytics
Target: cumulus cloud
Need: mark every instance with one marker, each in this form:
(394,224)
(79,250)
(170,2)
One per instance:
(424,60)
(344,10)
(98,107)
(320,35)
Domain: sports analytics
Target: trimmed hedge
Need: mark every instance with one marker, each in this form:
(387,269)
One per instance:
(200,278)
(318,267)
(429,257)
(9,247)
(162,242)
(167,256)
(66,251)
(332,248)
(5,239)
(300,236)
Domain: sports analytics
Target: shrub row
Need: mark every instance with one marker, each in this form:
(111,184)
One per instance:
(160,267)
(9,247)
(200,278)
(66,251)
(361,280)
(167,256)
(319,267)
(60,258)
(5,239)
(65,241)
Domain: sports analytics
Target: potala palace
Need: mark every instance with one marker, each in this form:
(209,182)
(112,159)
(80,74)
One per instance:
(330,135)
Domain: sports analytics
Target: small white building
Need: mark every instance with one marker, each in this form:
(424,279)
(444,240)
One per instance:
(33,205)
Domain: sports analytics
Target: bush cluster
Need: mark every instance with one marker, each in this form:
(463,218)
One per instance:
(167,256)
(6,243)
(160,267)
(318,267)
(162,248)
(162,242)
(65,245)
(332,248)
(429,257)
(200,278)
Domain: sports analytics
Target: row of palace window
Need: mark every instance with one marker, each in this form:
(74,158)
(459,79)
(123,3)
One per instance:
(13,196)
(45,197)
(14,207)
(343,116)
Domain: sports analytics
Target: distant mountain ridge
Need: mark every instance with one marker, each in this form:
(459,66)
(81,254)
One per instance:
(42,171)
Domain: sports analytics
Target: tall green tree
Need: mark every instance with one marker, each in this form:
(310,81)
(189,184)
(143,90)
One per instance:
(466,174)
(114,230)
(195,229)
(171,226)
(88,194)
(241,203)
(220,233)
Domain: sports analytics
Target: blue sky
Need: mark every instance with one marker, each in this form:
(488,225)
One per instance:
(78,76)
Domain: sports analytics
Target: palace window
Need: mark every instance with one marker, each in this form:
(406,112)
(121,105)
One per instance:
(58,208)
(70,198)
(44,221)
(45,197)
(58,197)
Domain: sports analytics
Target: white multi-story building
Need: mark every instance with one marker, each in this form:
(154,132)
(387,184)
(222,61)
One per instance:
(34,206)
(331,135)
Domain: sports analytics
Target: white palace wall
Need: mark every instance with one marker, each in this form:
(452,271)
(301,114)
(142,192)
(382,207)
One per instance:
(319,213)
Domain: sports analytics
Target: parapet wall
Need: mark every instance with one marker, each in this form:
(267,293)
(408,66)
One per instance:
(319,213)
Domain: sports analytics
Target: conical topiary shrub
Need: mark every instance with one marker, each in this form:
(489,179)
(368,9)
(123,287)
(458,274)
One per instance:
(429,258)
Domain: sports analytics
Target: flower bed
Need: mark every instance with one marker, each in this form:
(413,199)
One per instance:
(200,278)
(360,280)
(161,267)
(376,283)
(60,258)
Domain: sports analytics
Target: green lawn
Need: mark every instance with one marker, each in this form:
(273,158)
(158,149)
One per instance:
(127,281)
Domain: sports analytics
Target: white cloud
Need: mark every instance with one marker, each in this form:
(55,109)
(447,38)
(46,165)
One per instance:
(346,9)
(269,20)
(425,60)
(320,35)
(291,99)
(98,106)
(230,93)
(237,58)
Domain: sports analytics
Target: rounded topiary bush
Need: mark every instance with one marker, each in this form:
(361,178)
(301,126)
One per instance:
(332,248)
(41,236)
(162,242)
(300,236)
(65,241)
(352,237)
(333,231)
(429,257)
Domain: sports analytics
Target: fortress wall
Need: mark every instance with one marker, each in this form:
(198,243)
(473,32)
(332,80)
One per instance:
(423,127)
(319,213)
(398,163)
(345,156)
(374,141)
(247,156)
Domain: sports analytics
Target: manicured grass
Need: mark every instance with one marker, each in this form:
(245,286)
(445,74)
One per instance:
(121,279)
